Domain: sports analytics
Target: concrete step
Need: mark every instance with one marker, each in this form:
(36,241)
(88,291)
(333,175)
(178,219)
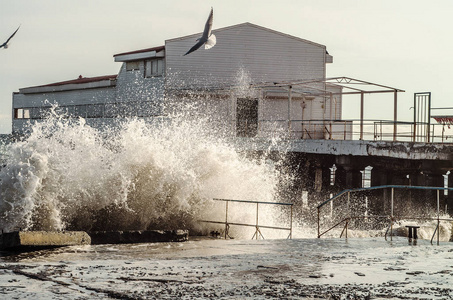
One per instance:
(17,240)
(139,236)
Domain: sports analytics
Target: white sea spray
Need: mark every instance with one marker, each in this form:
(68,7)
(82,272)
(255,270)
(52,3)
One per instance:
(68,175)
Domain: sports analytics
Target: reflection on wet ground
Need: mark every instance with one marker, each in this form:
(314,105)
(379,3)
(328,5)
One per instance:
(214,268)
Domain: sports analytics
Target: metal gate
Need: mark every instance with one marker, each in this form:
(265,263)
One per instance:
(422,117)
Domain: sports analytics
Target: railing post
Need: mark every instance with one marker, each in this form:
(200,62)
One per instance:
(438,216)
(346,233)
(361,115)
(395,115)
(291,225)
(347,207)
(318,225)
(391,216)
(226,219)
(289,108)
(257,230)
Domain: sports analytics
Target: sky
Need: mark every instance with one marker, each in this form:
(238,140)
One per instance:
(406,44)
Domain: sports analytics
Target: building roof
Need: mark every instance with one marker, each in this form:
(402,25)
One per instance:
(251,25)
(157,49)
(80,80)
(79,83)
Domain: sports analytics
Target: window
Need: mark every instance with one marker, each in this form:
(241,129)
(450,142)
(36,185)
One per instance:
(26,113)
(154,67)
(247,117)
(18,113)
(132,66)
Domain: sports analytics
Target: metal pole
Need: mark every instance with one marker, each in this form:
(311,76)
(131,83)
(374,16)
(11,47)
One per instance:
(415,117)
(429,115)
(318,225)
(291,224)
(257,221)
(438,216)
(361,116)
(348,204)
(346,233)
(289,108)
(395,115)
(226,219)
(331,102)
(391,218)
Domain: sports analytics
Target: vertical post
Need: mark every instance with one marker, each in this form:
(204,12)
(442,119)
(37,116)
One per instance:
(438,216)
(257,221)
(330,122)
(391,216)
(289,108)
(429,116)
(226,219)
(395,114)
(318,225)
(361,115)
(291,224)
(348,203)
(344,137)
(346,230)
(415,118)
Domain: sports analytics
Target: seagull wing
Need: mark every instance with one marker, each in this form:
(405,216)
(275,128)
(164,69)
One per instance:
(195,47)
(210,42)
(208,25)
(11,36)
(208,39)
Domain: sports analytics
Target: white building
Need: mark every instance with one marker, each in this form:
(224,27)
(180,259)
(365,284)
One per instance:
(268,60)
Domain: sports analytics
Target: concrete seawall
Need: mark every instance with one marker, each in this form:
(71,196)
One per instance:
(43,239)
(29,240)
(130,237)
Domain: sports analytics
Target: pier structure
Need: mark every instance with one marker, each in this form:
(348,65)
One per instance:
(326,167)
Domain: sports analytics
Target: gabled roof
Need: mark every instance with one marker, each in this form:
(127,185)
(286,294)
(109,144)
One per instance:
(250,25)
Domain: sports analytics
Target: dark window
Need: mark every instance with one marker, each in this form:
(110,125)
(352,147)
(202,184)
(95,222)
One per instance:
(247,117)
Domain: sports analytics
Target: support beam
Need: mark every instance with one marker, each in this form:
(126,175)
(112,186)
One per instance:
(289,108)
(361,115)
(395,114)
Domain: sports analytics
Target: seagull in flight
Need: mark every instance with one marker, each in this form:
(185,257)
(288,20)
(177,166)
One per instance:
(207,39)
(5,44)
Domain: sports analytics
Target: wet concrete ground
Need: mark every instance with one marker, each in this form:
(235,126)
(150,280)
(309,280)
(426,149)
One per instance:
(367,268)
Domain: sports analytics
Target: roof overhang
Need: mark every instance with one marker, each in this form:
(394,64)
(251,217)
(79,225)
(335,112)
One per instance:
(77,84)
(140,54)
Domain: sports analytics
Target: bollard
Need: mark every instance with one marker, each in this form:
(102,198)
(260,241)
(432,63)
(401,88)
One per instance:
(412,232)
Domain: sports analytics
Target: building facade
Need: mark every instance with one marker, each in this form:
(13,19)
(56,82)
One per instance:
(236,79)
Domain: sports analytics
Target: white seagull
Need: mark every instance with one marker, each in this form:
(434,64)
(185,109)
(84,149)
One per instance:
(207,38)
(5,44)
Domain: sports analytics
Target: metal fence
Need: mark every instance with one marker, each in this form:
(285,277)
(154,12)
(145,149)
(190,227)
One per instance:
(354,129)
(343,217)
(258,234)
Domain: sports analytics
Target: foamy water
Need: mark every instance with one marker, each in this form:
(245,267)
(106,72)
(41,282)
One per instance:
(68,175)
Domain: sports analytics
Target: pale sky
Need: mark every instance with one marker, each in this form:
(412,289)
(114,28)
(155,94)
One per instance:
(407,44)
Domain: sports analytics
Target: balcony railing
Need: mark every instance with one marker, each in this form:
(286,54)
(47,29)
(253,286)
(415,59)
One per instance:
(372,130)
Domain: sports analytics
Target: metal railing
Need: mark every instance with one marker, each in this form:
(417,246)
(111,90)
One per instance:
(350,215)
(257,225)
(354,129)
